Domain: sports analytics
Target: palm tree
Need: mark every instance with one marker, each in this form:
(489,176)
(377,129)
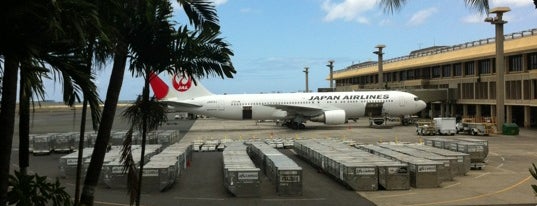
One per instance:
(393,5)
(30,83)
(200,13)
(40,31)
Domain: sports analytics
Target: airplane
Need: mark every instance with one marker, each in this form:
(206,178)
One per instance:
(294,109)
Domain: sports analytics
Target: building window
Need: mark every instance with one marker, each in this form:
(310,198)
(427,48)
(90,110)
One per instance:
(446,71)
(515,63)
(402,74)
(513,90)
(481,90)
(457,70)
(485,67)
(492,90)
(527,89)
(411,74)
(534,89)
(532,61)
(469,68)
(437,72)
(467,91)
(425,73)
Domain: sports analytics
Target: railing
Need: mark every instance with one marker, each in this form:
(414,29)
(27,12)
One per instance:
(516,35)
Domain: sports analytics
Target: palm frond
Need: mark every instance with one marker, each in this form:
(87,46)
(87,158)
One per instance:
(482,6)
(201,13)
(129,166)
(390,6)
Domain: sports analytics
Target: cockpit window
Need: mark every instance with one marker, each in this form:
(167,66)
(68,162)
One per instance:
(416,99)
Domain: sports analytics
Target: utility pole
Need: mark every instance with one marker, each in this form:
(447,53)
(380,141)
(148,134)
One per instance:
(379,63)
(331,66)
(500,64)
(306,71)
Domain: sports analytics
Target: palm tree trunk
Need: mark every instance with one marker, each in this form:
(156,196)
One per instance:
(145,110)
(7,120)
(105,127)
(24,123)
(80,151)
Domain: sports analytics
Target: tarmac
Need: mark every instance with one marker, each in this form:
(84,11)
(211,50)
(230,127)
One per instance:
(504,181)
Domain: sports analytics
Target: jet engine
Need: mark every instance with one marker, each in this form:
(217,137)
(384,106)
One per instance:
(331,117)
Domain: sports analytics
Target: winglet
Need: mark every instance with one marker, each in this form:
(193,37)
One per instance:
(159,87)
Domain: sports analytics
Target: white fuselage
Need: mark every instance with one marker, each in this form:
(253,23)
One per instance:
(280,106)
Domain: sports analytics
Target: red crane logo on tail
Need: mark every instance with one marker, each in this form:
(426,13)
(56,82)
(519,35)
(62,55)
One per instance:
(181,84)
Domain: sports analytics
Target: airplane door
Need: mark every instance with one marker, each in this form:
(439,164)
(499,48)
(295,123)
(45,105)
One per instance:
(247,112)
(373,109)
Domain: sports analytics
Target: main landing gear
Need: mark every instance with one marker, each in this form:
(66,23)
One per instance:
(294,125)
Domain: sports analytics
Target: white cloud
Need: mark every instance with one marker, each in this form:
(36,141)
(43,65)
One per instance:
(511,3)
(473,19)
(421,16)
(219,2)
(348,10)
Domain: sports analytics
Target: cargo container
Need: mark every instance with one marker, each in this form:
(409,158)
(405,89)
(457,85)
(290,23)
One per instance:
(68,163)
(462,164)
(283,172)
(359,170)
(64,142)
(41,144)
(478,151)
(241,177)
(423,172)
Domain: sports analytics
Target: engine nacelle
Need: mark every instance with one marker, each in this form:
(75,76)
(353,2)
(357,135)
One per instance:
(331,117)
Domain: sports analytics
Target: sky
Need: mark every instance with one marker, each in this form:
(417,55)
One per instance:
(274,40)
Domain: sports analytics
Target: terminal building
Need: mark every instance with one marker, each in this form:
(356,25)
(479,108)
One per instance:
(459,80)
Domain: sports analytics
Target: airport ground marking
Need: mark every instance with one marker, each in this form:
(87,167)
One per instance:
(199,198)
(299,199)
(500,165)
(452,185)
(477,196)
(398,195)
(481,175)
(111,203)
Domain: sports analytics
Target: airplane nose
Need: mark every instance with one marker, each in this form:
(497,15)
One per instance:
(421,105)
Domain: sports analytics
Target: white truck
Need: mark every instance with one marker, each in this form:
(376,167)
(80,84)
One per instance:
(445,125)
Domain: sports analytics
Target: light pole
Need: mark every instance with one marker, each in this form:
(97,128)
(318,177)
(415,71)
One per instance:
(500,63)
(381,73)
(306,71)
(331,66)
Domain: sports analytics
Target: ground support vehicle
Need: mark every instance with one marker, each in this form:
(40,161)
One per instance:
(445,125)
(425,128)
(473,128)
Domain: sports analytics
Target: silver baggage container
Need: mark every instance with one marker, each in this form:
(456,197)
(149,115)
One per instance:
(393,175)
(64,142)
(463,160)
(68,163)
(423,172)
(41,144)
(241,177)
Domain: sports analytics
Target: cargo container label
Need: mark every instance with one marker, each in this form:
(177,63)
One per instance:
(365,171)
(397,170)
(288,172)
(72,161)
(150,173)
(290,178)
(427,168)
(247,176)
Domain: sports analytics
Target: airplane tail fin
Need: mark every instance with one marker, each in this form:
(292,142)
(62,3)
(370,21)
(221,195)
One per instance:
(182,88)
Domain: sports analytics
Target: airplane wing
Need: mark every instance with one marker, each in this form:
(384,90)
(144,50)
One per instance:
(307,111)
(180,104)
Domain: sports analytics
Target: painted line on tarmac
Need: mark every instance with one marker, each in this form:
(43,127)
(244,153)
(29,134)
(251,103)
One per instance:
(501,165)
(199,198)
(111,203)
(478,196)
(481,175)
(399,195)
(452,185)
(300,199)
